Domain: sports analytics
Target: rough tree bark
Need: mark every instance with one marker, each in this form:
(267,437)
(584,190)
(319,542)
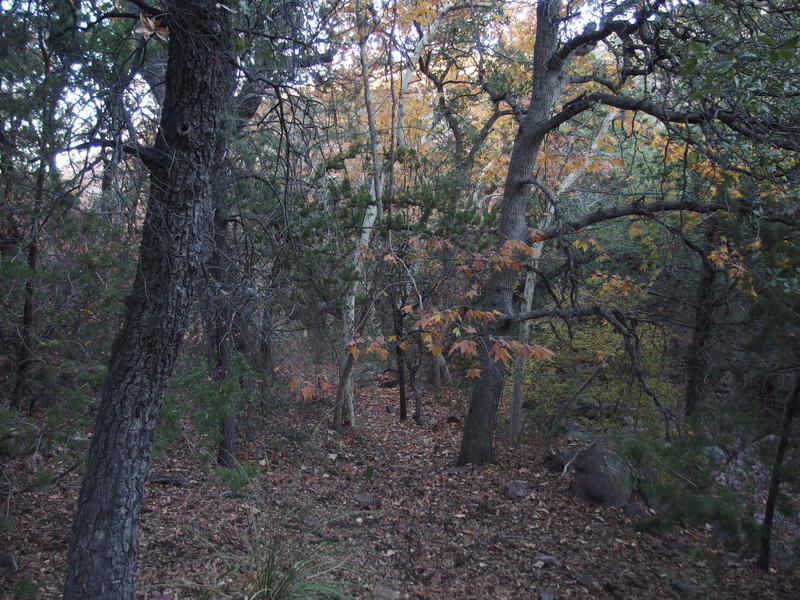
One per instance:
(705,303)
(548,82)
(546,221)
(189,147)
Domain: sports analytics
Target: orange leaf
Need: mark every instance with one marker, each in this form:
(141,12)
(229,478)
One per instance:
(473,373)
(541,353)
(499,352)
(465,347)
(353,350)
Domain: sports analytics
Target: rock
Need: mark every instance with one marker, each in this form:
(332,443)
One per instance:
(585,579)
(367,372)
(578,432)
(547,595)
(515,488)
(684,589)
(602,477)
(653,498)
(714,454)
(385,593)
(588,408)
(456,470)
(634,510)
(548,561)
(8,562)
(367,500)
(556,462)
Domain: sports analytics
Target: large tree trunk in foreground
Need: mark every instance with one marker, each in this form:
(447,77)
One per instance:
(188,149)
(477,443)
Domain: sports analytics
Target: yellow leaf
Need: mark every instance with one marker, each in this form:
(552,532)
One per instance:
(353,350)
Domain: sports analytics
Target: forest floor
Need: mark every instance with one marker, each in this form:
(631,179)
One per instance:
(389,503)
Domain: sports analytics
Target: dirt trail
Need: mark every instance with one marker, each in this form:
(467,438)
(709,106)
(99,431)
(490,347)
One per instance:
(389,502)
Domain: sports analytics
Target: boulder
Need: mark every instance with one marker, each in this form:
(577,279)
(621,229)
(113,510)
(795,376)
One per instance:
(556,462)
(636,511)
(653,493)
(515,489)
(573,430)
(602,477)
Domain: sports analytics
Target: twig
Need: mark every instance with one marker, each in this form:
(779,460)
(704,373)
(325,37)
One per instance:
(586,382)
(577,454)
(676,473)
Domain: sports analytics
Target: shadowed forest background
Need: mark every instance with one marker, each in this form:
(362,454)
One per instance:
(388,299)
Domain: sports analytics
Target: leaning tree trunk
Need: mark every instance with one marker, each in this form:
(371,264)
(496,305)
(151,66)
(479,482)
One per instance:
(188,149)
(548,81)
(792,404)
(515,425)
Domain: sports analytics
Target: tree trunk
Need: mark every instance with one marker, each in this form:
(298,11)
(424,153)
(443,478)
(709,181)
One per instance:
(53,86)
(220,334)
(790,411)
(344,411)
(25,355)
(515,426)
(696,358)
(548,81)
(401,360)
(219,329)
(189,147)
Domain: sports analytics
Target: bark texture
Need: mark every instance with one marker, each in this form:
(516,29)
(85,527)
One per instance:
(188,149)
(548,82)
(705,303)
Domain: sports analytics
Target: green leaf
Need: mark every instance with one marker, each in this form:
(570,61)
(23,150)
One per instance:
(722,67)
